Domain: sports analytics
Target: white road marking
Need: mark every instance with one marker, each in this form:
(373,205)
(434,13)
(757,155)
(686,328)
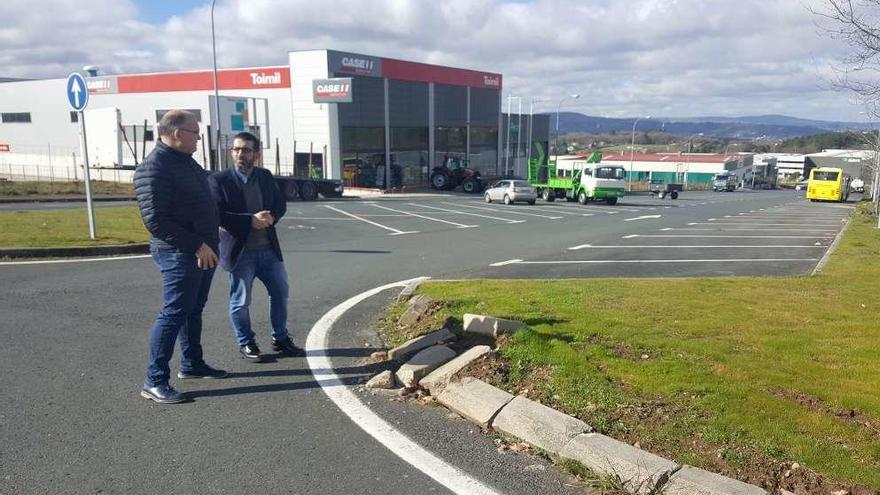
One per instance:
(811,224)
(76,260)
(507,220)
(644,217)
(393,231)
(608,262)
(459,225)
(506,212)
(317,356)
(508,262)
(825,231)
(727,236)
(707,246)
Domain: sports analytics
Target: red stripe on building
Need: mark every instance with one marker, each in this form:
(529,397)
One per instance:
(259,78)
(414,71)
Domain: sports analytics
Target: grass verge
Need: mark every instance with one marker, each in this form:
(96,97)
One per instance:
(742,376)
(42,188)
(70,227)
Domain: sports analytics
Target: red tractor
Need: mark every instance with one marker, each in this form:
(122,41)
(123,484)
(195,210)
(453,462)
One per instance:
(454,171)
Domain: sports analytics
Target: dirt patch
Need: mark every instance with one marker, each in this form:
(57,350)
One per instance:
(850,416)
(745,464)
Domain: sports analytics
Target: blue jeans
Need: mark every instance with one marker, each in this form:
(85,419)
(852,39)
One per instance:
(185,289)
(265,265)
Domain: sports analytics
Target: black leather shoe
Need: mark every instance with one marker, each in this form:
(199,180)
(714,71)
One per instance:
(251,353)
(287,347)
(203,371)
(163,394)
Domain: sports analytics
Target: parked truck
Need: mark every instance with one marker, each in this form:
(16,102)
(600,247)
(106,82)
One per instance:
(307,189)
(724,181)
(587,181)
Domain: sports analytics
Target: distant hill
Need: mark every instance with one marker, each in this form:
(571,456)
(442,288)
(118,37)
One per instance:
(749,127)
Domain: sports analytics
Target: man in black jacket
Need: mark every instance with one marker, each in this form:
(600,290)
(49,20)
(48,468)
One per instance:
(250,204)
(176,206)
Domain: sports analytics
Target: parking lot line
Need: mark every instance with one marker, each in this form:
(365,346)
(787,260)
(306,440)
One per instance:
(507,220)
(507,212)
(406,213)
(838,224)
(696,246)
(393,230)
(631,236)
(745,230)
(610,262)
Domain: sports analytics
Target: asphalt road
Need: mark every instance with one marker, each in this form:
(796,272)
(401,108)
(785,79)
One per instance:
(75,341)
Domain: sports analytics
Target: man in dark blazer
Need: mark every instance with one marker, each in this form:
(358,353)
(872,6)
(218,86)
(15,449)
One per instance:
(250,204)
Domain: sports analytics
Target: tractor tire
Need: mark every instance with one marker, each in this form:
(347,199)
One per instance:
(507,200)
(582,198)
(487,198)
(289,190)
(611,201)
(440,181)
(470,186)
(548,195)
(673,195)
(308,191)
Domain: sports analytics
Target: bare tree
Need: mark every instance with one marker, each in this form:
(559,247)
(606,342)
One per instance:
(857,24)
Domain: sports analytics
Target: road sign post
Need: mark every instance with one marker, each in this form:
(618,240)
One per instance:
(78,97)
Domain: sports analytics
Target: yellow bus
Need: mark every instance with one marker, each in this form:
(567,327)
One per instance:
(828,184)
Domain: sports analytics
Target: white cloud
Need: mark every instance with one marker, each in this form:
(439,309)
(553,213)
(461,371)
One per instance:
(626,57)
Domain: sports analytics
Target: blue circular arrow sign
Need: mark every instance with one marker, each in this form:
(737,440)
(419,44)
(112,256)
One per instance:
(77,91)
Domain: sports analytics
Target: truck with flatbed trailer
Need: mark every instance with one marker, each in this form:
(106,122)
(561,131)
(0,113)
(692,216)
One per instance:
(586,181)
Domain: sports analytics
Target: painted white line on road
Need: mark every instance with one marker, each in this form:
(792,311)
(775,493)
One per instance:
(393,231)
(485,208)
(459,225)
(508,262)
(824,231)
(811,224)
(507,220)
(558,210)
(695,246)
(727,236)
(402,446)
(610,262)
(644,217)
(76,260)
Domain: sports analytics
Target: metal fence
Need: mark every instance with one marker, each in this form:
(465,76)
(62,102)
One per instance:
(46,173)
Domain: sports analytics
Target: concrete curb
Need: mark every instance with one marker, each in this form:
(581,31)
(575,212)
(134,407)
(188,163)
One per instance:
(75,251)
(833,247)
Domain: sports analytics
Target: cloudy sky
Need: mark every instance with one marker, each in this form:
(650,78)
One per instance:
(665,58)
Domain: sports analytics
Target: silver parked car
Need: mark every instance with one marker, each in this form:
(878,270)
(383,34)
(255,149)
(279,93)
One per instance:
(510,191)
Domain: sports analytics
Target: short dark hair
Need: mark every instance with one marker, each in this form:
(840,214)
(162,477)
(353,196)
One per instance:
(246,136)
(173,120)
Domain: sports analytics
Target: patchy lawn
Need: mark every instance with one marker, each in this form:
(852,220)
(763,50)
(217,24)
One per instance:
(774,381)
(70,227)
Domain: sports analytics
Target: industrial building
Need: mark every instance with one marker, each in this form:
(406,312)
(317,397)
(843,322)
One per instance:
(350,116)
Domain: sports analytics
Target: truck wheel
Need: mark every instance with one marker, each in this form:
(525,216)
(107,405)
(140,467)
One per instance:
(582,197)
(469,186)
(308,191)
(439,181)
(487,198)
(289,190)
(531,201)
(548,195)
(611,201)
(507,200)
(673,195)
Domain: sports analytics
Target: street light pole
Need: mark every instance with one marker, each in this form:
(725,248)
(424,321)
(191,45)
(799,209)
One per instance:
(216,91)
(632,148)
(574,96)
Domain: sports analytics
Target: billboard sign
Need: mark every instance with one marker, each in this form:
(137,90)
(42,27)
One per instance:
(336,90)
(352,63)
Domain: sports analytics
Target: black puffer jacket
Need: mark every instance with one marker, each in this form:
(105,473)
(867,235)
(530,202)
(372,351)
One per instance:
(175,201)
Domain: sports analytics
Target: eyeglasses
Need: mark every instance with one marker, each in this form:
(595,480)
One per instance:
(188,130)
(242,150)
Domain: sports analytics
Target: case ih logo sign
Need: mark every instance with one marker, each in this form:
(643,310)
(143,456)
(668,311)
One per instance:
(349,63)
(492,81)
(263,79)
(4,147)
(336,90)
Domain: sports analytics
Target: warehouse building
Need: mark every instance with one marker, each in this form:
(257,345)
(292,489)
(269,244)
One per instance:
(338,114)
